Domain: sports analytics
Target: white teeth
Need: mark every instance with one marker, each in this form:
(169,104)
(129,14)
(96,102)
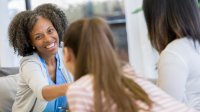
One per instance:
(50,46)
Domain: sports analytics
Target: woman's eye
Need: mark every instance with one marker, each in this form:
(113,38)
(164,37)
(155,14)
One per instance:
(50,30)
(38,37)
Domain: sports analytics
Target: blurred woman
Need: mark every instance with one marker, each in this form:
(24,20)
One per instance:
(174,28)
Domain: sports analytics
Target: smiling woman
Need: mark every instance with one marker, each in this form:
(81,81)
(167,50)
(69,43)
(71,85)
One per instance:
(36,35)
(44,37)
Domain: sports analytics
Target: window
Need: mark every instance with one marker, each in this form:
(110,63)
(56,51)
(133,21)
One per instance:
(15,6)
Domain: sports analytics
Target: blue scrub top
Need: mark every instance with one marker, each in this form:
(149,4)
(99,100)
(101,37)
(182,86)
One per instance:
(60,102)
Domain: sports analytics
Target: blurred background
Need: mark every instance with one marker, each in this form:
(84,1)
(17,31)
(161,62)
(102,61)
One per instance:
(112,10)
(129,28)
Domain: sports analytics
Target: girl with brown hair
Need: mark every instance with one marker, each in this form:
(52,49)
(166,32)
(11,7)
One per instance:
(103,84)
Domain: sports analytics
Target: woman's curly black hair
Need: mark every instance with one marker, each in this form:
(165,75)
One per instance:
(22,24)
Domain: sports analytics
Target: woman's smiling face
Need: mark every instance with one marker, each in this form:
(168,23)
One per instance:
(44,37)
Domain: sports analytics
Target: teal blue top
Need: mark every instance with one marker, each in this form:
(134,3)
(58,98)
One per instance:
(61,102)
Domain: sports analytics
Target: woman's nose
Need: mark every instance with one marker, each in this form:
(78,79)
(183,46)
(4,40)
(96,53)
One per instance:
(47,38)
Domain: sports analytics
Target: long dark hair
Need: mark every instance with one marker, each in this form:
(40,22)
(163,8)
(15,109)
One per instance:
(92,43)
(168,20)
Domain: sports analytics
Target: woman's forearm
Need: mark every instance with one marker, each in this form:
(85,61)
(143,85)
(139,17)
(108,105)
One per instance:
(51,92)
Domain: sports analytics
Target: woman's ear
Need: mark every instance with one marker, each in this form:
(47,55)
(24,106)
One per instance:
(67,55)
(69,59)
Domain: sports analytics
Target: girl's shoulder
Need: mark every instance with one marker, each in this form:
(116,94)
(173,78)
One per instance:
(84,83)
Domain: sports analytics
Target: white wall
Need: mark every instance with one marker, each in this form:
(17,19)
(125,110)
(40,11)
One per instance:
(7,56)
(142,56)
